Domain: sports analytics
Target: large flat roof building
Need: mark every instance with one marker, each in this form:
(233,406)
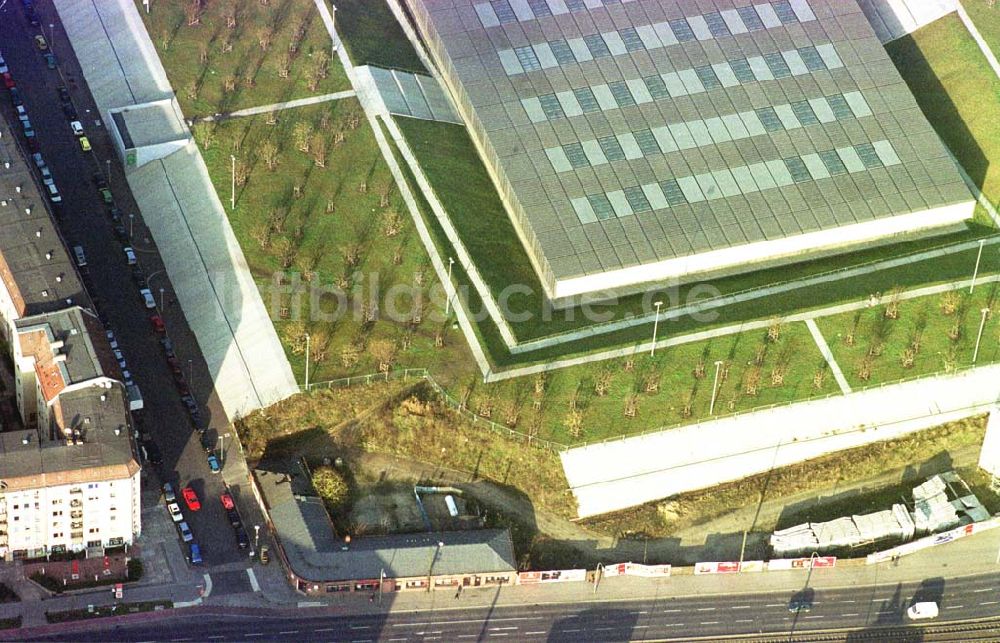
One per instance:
(643,141)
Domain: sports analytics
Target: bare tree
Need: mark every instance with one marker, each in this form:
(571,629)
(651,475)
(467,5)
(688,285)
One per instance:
(321,61)
(302,133)
(229,83)
(229,13)
(193,12)
(191,90)
(319,149)
(242,173)
(383,350)
(264,36)
(269,153)
(284,65)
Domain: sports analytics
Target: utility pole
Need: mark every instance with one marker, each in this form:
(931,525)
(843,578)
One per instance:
(232,191)
(975,271)
(979,337)
(447,306)
(656,323)
(381,581)
(161,300)
(131,224)
(430,570)
(307,362)
(715,391)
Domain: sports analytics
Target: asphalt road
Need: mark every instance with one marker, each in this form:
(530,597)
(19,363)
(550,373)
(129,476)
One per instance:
(84,221)
(671,618)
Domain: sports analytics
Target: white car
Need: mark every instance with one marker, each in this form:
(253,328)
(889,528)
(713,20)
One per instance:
(47,176)
(22,114)
(76,127)
(37,158)
(175,512)
(130,256)
(920,611)
(53,193)
(147,298)
(186,534)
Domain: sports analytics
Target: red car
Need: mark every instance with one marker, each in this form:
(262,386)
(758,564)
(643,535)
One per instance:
(191,498)
(157,323)
(8,81)
(227,502)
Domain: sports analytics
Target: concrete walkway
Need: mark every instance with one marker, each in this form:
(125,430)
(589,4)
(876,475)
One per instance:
(277,107)
(828,356)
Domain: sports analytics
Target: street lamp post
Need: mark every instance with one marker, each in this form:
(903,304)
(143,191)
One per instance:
(131,224)
(430,570)
(256,537)
(333,25)
(232,191)
(222,448)
(598,573)
(447,306)
(656,323)
(191,374)
(307,362)
(975,271)
(979,337)
(161,301)
(381,581)
(52,34)
(715,387)
(107,164)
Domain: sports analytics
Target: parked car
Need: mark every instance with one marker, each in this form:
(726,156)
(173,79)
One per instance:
(69,111)
(186,534)
(227,502)
(15,97)
(242,539)
(168,347)
(130,255)
(22,114)
(802,601)
(175,512)
(147,298)
(37,158)
(50,60)
(85,144)
(168,492)
(40,43)
(120,358)
(53,193)
(208,443)
(63,94)
(196,554)
(8,80)
(920,611)
(191,498)
(152,452)
(265,555)
(157,322)
(213,463)
(122,235)
(234,518)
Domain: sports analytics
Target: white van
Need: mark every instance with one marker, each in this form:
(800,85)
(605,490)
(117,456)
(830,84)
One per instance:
(54,195)
(920,611)
(81,259)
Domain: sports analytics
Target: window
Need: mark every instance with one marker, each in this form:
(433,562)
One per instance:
(657,88)
(93,543)
(56,513)
(647,142)
(562,52)
(588,102)
(637,199)
(750,18)
(598,48)
(682,30)
(776,63)
(797,168)
(621,93)
(840,107)
(785,13)
(631,39)
(707,77)
(551,107)
(340,587)
(612,148)
(504,12)
(804,112)
(741,67)
(868,155)
(770,119)
(602,207)
(57,535)
(716,24)
(576,5)
(833,162)
(812,59)
(540,8)
(577,157)
(526,56)
(672,190)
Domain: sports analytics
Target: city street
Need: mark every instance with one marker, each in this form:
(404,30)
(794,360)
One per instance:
(84,220)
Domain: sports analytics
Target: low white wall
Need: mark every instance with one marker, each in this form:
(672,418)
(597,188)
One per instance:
(893,19)
(616,475)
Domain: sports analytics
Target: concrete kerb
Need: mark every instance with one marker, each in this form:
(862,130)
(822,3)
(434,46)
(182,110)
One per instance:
(978,37)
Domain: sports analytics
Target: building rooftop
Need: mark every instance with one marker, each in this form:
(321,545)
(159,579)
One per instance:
(98,447)
(649,139)
(34,263)
(314,552)
(150,123)
(68,347)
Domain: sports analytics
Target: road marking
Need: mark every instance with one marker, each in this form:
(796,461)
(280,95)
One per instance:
(851,614)
(254,585)
(740,607)
(501,629)
(569,630)
(671,611)
(469,621)
(709,622)
(208,587)
(178,640)
(359,627)
(989,602)
(326,629)
(705,609)
(743,620)
(639,627)
(848,601)
(527,633)
(289,632)
(820,616)
(980,591)
(954,607)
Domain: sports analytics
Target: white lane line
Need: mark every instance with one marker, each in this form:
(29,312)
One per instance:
(671,611)
(254,585)
(743,620)
(820,616)
(360,627)
(289,632)
(501,629)
(989,602)
(527,633)
(569,630)
(639,627)
(470,621)
(705,609)
(980,591)
(848,601)
(954,607)
(326,629)
(740,607)
(775,605)
(851,614)
(709,622)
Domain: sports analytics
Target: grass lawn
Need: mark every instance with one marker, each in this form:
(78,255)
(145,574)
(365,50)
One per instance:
(373,36)
(987,21)
(929,334)
(957,89)
(452,166)
(202,58)
(346,231)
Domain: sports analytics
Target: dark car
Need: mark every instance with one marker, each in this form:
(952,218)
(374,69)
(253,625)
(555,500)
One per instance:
(121,233)
(152,452)
(802,601)
(70,112)
(242,539)
(207,442)
(63,94)
(168,346)
(15,96)
(234,518)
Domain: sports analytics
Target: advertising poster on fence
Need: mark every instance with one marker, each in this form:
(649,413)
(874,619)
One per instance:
(648,571)
(728,567)
(752,566)
(931,541)
(557,576)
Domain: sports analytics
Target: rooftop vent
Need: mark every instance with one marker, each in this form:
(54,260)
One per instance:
(45,293)
(38,233)
(48,256)
(6,165)
(26,439)
(58,279)
(118,430)
(17,188)
(104,398)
